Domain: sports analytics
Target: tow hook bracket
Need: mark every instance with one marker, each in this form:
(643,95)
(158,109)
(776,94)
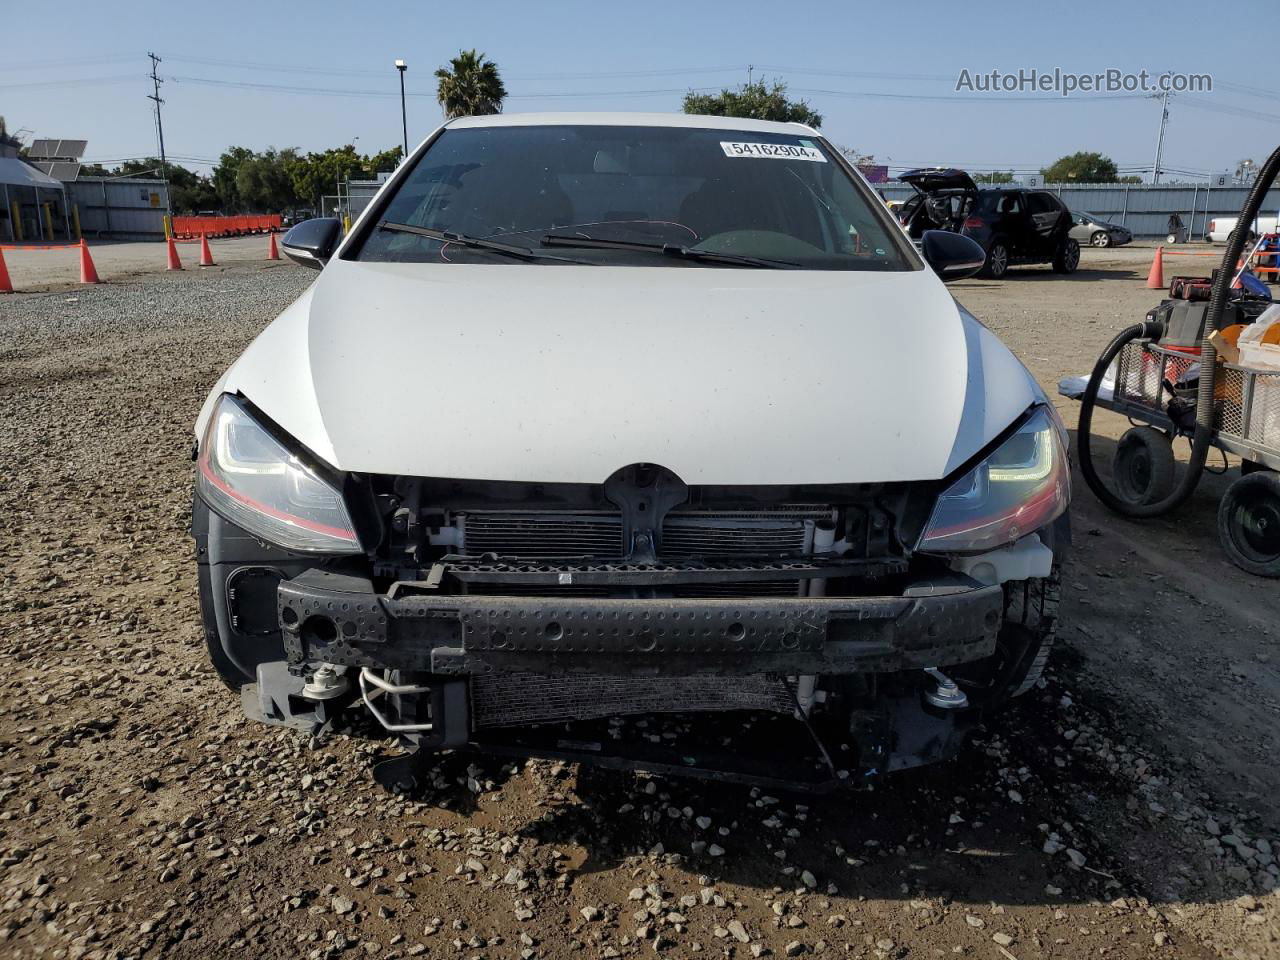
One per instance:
(945,693)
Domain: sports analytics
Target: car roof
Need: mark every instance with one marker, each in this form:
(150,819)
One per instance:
(629,120)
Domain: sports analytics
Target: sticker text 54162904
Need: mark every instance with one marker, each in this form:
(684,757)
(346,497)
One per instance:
(773,151)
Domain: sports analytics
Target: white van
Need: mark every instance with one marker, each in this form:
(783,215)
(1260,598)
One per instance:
(1220,228)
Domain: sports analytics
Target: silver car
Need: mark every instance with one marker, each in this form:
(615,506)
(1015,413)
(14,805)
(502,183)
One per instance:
(1086,228)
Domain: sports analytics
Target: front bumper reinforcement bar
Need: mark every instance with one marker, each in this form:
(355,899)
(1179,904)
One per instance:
(342,620)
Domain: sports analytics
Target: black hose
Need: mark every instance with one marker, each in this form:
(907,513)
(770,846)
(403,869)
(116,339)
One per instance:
(1201,439)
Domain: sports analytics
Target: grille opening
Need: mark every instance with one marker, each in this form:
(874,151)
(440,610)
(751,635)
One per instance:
(784,531)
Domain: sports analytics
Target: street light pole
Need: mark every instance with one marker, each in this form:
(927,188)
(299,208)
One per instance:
(401,66)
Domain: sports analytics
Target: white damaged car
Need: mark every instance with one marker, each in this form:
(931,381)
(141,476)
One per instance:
(597,424)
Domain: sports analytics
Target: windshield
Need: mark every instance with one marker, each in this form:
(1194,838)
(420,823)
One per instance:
(773,197)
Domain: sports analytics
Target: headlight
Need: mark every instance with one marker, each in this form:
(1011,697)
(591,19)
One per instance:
(255,482)
(1024,485)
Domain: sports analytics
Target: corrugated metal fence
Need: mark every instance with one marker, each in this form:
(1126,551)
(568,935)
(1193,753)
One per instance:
(125,208)
(1142,207)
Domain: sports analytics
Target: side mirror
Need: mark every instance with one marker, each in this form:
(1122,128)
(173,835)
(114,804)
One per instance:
(952,256)
(312,242)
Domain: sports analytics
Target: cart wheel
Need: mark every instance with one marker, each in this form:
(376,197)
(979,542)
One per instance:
(1143,465)
(1249,523)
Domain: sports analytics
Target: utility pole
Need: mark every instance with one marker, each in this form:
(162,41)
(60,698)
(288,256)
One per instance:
(164,166)
(1164,119)
(751,68)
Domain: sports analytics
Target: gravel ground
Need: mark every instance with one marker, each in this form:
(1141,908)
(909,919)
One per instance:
(1125,809)
(36,268)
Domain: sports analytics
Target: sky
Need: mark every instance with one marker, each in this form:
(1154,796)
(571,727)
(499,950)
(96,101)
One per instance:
(883,76)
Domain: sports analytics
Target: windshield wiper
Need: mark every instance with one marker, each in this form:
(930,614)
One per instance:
(667,249)
(475,243)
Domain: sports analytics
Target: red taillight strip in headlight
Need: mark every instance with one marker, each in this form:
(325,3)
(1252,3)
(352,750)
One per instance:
(336,532)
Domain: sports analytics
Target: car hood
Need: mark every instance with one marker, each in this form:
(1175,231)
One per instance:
(567,373)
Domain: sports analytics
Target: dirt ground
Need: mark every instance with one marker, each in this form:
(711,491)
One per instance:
(1125,809)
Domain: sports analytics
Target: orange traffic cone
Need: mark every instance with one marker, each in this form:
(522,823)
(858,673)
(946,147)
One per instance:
(1155,279)
(88,274)
(273,252)
(174,262)
(6,285)
(206,255)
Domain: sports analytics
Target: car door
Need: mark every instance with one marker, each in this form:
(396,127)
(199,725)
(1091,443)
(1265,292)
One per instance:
(1081,227)
(1011,222)
(1045,215)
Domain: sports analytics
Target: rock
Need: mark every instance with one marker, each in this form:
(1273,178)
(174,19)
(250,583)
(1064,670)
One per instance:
(1002,938)
(1161,938)
(590,914)
(738,931)
(342,905)
(809,880)
(795,948)
(715,850)
(976,922)
(1076,857)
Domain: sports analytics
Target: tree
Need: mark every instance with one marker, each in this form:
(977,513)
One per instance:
(994,176)
(384,162)
(856,156)
(318,174)
(5,139)
(224,177)
(757,100)
(470,86)
(263,181)
(1082,167)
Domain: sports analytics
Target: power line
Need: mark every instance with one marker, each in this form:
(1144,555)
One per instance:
(952,98)
(325,71)
(79,62)
(71,81)
(382,94)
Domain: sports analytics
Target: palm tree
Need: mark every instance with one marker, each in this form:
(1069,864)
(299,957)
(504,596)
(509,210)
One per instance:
(470,86)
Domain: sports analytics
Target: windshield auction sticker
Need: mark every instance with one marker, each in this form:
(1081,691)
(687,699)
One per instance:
(774,151)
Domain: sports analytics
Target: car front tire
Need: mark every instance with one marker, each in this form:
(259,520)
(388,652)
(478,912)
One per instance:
(1100,239)
(1067,259)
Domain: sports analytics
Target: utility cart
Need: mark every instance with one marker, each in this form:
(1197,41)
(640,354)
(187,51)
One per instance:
(1155,388)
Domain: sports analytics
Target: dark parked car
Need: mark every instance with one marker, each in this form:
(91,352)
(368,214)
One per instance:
(1011,224)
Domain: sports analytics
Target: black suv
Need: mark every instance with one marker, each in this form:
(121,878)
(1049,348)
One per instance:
(1012,225)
